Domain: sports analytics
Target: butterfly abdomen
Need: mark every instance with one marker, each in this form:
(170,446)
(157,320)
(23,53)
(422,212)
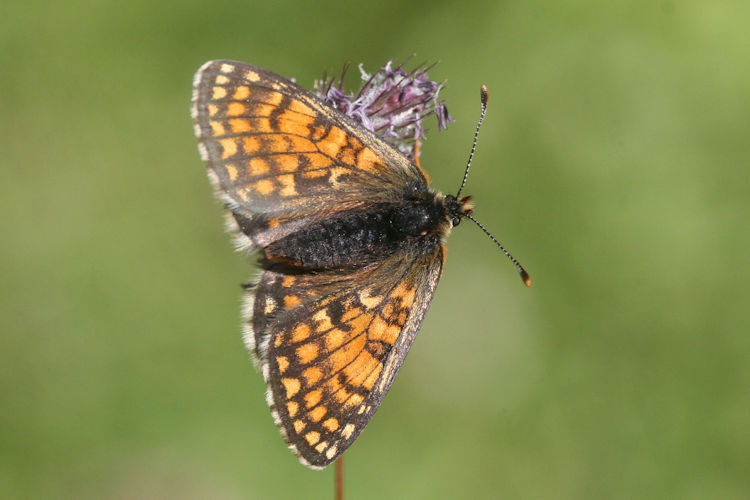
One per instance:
(357,238)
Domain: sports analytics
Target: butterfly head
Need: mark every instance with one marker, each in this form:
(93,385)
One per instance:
(458,208)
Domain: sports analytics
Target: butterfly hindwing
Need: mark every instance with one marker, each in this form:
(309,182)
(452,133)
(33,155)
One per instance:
(331,344)
(280,158)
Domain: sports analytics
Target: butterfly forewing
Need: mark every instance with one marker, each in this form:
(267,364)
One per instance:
(278,155)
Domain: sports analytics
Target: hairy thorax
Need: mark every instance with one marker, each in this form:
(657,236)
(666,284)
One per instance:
(357,238)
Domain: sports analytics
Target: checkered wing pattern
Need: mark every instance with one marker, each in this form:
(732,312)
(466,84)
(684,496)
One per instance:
(279,158)
(330,345)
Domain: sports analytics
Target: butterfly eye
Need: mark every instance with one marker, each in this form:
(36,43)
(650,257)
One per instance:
(456,221)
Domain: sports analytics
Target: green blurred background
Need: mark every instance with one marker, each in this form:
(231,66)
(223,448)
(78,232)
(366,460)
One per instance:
(613,163)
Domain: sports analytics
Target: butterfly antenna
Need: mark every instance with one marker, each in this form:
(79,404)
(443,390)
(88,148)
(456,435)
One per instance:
(484,93)
(524,275)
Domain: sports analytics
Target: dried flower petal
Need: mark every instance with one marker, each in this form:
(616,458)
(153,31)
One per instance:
(391,103)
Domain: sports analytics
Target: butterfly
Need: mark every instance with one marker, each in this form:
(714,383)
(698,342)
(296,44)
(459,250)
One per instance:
(351,244)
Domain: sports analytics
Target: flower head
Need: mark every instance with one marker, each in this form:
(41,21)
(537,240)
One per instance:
(392,103)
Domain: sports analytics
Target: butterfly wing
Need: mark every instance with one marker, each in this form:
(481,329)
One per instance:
(280,158)
(330,345)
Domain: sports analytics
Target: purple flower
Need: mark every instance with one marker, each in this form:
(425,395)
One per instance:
(391,103)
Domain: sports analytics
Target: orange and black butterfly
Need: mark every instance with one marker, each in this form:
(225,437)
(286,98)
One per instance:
(351,242)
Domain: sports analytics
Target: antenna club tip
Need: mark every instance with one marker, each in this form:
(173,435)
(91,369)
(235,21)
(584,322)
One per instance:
(526,278)
(485,94)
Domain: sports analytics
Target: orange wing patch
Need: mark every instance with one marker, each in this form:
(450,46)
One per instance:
(267,140)
(329,359)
